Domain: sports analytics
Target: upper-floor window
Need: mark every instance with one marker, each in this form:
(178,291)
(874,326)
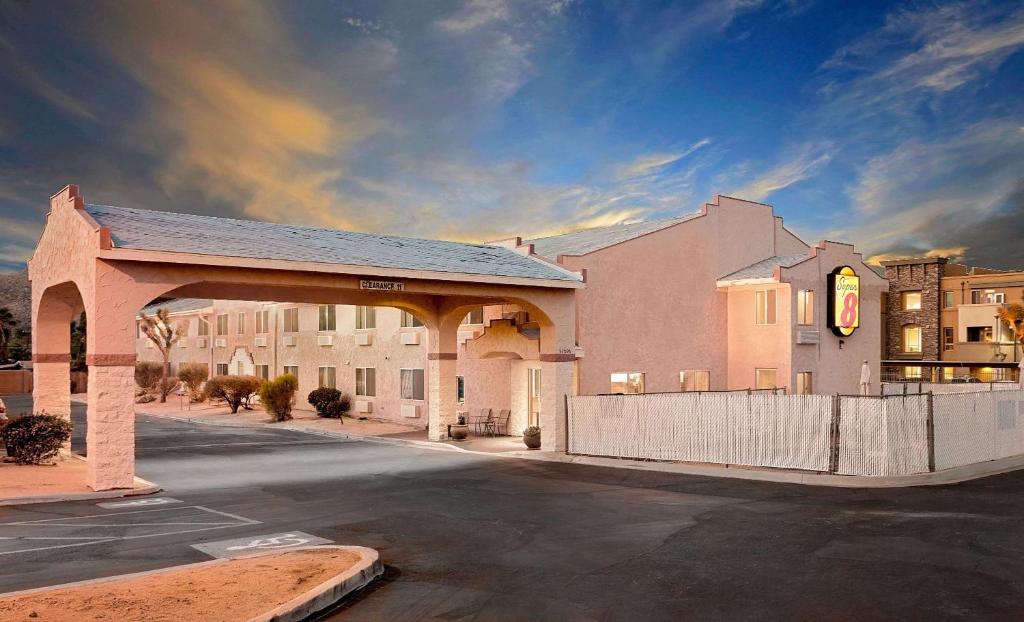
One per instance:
(328,318)
(627,382)
(476,316)
(409,320)
(695,380)
(412,384)
(262,322)
(291,320)
(912,301)
(987,297)
(222,324)
(948,299)
(805,307)
(979,334)
(765,306)
(241,323)
(911,339)
(366,317)
(204,327)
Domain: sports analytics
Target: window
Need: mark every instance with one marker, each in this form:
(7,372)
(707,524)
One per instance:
(222,324)
(138,330)
(262,321)
(291,320)
(987,297)
(204,327)
(241,323)
(328,317)
(805,307)
(912,373)
(764,306)
(695,380)
(912,339)
(412,384)
(366,384)
(460,389)
(292,369)
(184,326)
(263,372)
(948,299)
(366,317)
(222,369)
(948,338)
(327,377)
(765,378)
(979,334)
(627,382)
(804,383)
(410,321)
(912,301)
(476,316)
(239,368)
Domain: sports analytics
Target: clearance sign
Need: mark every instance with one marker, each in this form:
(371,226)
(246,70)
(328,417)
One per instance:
(843,301)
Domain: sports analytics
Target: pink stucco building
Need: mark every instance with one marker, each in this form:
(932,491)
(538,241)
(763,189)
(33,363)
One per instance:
(723,299)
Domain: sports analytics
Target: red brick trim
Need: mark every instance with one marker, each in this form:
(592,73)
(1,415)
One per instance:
(40,357)
(110,360)
(557,358)
(442,356)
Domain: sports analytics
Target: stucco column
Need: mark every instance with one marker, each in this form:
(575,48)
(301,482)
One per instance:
(556,379)
(110,437)
(441,389)
(51,384)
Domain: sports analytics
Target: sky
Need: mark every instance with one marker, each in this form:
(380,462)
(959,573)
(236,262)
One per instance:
(897,126)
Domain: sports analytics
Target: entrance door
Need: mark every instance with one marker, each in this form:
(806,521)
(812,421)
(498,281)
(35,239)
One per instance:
(533,391)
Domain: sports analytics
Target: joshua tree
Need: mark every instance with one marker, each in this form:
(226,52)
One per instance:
(1013,316)
(158,329)
(7,324)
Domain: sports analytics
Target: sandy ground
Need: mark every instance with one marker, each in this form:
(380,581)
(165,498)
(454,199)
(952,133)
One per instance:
(227,592)
(25,480)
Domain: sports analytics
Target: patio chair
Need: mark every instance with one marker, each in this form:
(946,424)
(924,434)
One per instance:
(499,425)
(478,422)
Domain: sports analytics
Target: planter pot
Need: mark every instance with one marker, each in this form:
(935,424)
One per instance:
(459,432)
(532,442)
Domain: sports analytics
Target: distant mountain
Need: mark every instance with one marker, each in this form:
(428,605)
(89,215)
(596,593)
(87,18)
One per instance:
(16,295)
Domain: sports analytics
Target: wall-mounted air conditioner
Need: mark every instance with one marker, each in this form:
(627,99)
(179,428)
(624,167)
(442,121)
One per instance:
(808,337)
(288,340)
(221,342)
(364,339)
(410,339)
(410,410)
(183,343)
(201,342)
(364,406)
(325,340)
(260,342)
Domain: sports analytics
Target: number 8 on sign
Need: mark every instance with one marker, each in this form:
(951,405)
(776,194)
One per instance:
(844,301)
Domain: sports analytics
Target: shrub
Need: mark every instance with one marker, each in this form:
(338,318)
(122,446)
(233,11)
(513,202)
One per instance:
(531,431)
(33,439)
(321,398)
(277,394)
(147,374)
(193,375)
(145,398)
(338,407)
(235,390)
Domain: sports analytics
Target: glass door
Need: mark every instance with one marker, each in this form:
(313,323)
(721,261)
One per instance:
(533,391)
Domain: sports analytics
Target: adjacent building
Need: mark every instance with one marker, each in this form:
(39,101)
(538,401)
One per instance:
(723,299)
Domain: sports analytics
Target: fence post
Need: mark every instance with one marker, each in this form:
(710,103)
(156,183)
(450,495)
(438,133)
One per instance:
(833,450)
(930,429)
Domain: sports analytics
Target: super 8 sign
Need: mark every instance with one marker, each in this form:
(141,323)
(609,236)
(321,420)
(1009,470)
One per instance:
(844,301)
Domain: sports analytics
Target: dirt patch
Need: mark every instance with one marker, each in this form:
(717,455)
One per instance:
(30,480)
(234,590)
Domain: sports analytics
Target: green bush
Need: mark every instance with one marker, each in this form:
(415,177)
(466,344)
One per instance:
(147,374)
(338,408)
(34,439)
(276,396)
(235,390)
(193,375)
(320,398)
(531,431)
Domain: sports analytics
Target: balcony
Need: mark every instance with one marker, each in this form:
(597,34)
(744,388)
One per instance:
(976,352)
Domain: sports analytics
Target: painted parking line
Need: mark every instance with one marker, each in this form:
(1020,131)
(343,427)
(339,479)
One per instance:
(74,531)
(135,503)
(238,547)
(243,444)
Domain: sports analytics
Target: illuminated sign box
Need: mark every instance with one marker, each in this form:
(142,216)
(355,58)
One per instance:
(843,301)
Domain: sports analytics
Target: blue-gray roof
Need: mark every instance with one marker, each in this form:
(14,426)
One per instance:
(590,240)
(765,268)
(207,235)
(179,305)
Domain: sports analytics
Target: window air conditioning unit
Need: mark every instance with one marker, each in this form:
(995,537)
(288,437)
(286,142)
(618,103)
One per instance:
(410,339)
(364,339)
(221,343)
(183,343)
(201,342)
(808,337)
(261,342)
(364,406)
(288,340)
(411,411)
(149,344)
(325,340)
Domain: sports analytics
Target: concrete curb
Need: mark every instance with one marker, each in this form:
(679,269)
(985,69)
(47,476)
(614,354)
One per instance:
(325,595)
(142,487)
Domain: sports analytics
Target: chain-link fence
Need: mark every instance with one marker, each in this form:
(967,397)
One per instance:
(910,387)
(851,435)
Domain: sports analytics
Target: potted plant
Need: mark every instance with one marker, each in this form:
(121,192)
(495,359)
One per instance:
(531,436)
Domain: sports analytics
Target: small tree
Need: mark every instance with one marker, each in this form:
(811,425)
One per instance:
(277,394)
(158,329)
(235,390)
(320,398)
(193,375)
(147,374)
(1013,316)
(7,324)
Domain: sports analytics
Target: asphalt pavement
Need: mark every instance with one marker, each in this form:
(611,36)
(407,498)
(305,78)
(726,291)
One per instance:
(488,538)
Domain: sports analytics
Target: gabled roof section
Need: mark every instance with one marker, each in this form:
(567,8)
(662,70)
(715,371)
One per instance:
(179,305)
(148,230)
(762,271)
(590,240)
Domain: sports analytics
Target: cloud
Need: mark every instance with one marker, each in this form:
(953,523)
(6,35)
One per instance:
(810,159)
(475,14)
(653,162)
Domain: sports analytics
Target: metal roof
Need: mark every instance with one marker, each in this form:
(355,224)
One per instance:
(179,305)
(227,237)
(590,240)
(765,268)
